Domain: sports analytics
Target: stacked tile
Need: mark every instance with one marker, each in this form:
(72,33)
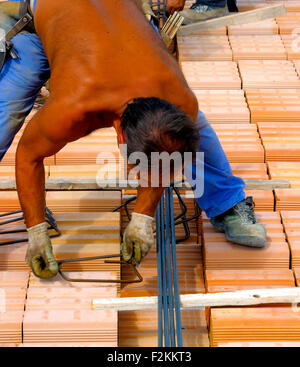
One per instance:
(266,27)
(291,6)
(211,74)
(260,345)
(291,224)
(12,298)
(60,312)
(274,105)
(11,327)
(236,280)
(287,199)
(241,143)
(97,148)
(82,201)
(291,45)
(83,235)
(268,74)
(139,328)
(109,171)
(264,199)
(12,256)
(281,141)
(245,5)
(87,235)
(204,48)
(250,171)
(297,276)
(64,345)
(285,171)
(190,272)
(7,172)
(223,106)
(9,201)
(297,66)
(288,23)
(257,47)
(221,254)
(229,325)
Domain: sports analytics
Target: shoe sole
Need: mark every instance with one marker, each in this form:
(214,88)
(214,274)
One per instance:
(218,227)
(253,242)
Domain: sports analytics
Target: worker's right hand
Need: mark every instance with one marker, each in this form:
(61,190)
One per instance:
(174,5)
(39,254)
(138,238)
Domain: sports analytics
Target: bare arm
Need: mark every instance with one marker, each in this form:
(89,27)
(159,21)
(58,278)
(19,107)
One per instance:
(46,134)
(50,129)
(175,5)
(147,200)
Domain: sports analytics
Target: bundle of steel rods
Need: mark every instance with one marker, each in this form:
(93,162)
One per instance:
(169,317)
(159,8)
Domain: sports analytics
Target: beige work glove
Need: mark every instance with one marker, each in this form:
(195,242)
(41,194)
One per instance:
(39,254)
(138,238)
(147,9)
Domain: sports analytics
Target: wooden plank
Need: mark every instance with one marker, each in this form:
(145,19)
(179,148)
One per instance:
(78,185)
(239,298)
(235,19)
(266,184)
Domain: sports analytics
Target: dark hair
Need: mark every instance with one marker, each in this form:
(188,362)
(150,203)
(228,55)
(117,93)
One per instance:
(155,125)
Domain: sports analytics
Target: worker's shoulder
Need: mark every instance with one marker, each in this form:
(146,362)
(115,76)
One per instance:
(175,89)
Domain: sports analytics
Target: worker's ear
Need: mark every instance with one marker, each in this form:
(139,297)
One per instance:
(121,137)
(120,132)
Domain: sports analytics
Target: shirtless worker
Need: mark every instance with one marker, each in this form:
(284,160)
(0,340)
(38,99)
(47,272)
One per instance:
(109,68)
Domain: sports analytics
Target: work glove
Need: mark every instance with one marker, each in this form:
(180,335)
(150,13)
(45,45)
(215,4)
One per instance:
(147,9)
(39,254)
(138,238)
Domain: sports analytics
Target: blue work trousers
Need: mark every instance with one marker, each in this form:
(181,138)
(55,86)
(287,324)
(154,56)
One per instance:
(20,81)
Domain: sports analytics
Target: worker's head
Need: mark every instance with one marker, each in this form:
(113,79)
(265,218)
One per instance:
(155,125)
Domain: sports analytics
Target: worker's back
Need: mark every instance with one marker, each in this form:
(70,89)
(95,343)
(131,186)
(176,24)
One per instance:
(109,46)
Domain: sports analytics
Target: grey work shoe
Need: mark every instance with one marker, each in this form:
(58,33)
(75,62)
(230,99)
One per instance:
(241,225)
(198,13)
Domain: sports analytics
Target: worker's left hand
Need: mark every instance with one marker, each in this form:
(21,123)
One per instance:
(147,9)
(39,254)
(175,5)
(138,238)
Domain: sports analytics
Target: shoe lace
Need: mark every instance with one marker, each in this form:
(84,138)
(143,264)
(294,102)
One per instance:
(246,210)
